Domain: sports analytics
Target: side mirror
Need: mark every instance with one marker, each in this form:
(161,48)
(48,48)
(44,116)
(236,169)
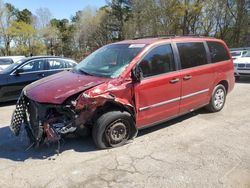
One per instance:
(18,71)
(136,74)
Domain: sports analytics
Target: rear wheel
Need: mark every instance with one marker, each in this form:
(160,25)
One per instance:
(218,99)
(112,129)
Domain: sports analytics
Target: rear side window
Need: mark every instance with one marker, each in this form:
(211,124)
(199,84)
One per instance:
(56,64)
(218,52)
(158,61)
(192,54)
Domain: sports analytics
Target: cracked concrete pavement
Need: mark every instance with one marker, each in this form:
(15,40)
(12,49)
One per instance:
(197,150)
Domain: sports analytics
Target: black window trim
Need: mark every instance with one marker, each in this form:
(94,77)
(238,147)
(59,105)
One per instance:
(178,54)
(152,48)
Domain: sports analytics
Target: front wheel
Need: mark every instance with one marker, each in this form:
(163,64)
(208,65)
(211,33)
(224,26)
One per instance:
(112,129)
(218,99)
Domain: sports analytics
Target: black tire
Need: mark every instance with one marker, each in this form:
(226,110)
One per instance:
(106,128)
(237,78)
(218,99)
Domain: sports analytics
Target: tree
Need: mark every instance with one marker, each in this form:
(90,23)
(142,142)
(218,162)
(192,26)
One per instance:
(7,14)
(65,35)
(49,36)
(91,28)
(24,16)
(22,33)
(84,27)
(120,12)
(239,10)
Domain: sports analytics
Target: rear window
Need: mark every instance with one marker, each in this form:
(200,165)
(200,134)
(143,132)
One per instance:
(5,61)
(192,54)
(218,52)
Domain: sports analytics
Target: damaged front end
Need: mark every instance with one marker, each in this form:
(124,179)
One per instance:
(47,123)
(44,123)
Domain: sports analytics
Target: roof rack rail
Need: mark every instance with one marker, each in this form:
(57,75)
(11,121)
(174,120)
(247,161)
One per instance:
(168,36)
(154,36)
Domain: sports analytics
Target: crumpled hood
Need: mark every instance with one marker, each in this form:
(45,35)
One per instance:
(57,88)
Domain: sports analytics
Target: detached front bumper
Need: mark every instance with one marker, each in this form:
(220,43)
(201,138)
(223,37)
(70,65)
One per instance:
(19,116)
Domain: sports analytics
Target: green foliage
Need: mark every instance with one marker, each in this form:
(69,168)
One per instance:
(24,16)
(22,32)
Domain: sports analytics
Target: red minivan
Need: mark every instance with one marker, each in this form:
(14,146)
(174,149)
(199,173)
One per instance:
(126,86)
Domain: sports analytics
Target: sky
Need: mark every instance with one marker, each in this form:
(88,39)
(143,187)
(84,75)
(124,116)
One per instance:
(59,8)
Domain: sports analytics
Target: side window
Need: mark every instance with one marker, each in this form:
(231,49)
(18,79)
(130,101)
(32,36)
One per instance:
(158,61)
(192,54)
(56,64)
(218,52)
(69,64)
(36,65)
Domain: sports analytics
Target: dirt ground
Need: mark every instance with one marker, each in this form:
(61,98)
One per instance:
(197,150)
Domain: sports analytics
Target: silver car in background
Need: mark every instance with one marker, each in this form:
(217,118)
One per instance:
(6,61)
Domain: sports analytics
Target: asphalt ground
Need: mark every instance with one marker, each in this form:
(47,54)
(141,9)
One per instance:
(199,149)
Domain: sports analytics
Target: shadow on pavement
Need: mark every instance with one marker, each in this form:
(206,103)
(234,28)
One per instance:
(14,148)
(244,80)
(172,122)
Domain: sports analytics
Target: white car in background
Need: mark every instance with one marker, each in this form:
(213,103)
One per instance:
(242,66)
(6,61)
(238,53)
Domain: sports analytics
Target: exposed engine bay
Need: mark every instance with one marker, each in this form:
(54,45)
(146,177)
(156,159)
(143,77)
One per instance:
(44,123)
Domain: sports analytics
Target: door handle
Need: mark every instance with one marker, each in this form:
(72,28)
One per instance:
(175,80)
(187,77)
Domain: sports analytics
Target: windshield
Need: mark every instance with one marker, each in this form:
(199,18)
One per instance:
(109,61)
(236,54)
(13,66)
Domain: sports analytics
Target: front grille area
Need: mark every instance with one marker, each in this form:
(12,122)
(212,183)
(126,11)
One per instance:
(18,116)
(241,65)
